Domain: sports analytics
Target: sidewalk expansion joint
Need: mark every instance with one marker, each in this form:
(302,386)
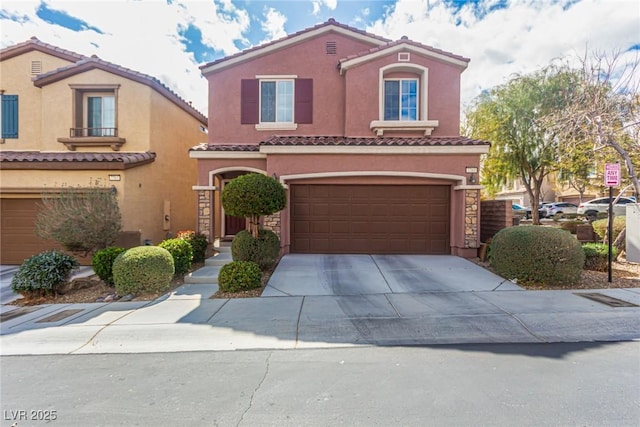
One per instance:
(298,322)
(517,319)
(381,273)
(217,311)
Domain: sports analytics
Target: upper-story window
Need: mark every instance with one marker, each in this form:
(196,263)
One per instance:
(9,113)
(276,102)
(95,117)
(401,99)
(100,118)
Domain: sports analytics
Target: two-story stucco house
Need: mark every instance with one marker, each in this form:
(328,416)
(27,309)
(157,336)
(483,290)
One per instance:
(71,120)
(364,133)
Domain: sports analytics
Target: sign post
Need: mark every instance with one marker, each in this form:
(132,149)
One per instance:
(611,179)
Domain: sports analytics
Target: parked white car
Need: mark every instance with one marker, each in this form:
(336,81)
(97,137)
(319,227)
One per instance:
(591,208)
(559,209)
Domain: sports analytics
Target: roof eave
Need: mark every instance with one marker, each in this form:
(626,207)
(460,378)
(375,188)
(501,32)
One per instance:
(286,42)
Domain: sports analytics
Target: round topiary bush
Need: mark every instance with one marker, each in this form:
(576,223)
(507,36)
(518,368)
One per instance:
(541,255)
(181,252)
(264,250)
(597,256)
(43,274)
(239,276)
(102,263)
(143,269)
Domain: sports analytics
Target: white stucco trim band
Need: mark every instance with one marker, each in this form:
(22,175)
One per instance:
(226,155)
(215,172)
(341,149)
(204,187)
(460,179)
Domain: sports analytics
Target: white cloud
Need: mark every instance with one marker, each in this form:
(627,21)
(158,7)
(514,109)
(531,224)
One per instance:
(140,35)
(318,4)
(519,38)
(273,25)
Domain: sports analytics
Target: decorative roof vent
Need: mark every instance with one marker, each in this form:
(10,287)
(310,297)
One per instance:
(36,68)
(332,47)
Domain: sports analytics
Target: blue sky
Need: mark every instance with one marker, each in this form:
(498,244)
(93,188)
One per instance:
(169,39)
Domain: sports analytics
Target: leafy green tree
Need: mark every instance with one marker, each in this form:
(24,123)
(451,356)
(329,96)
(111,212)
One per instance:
(82,220)
(510,116)
(251,196)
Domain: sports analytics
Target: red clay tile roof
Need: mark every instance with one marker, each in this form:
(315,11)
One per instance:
(62,160)
(34,44)
(372,141)
(332,141)
(404,40)
(330,22)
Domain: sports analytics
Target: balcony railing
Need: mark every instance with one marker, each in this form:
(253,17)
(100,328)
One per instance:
(89,132)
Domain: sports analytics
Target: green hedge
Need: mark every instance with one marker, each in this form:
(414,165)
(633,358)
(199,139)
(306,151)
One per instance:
(239,276)
(102,263)
(597,256)
(600,226)
(542,255)
(181,252)
(264,250)
(143,269)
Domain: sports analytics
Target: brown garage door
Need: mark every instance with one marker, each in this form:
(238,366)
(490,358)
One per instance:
(378,219)
(18,240)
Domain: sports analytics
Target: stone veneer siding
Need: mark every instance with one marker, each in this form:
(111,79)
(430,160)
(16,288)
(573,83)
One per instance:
(272,222)
(204,213)
(471,218)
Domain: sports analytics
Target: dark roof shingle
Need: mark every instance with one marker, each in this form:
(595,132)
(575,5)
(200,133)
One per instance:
(73,160)
(370,141)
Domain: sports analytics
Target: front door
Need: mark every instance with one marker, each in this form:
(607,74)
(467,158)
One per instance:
(233,225)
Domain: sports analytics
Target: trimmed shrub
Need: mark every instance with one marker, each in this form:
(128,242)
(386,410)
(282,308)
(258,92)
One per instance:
(541,255)
(600,226)
(596,256)
(239,276)
(198,242)
(102,263)
(264,250)
(181,252)
(43,274)
(143,269)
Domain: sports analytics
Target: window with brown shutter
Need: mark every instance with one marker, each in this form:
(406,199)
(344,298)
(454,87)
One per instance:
(249,101)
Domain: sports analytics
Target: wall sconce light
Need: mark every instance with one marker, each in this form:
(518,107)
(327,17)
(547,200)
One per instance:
(471,170)
(275,176)
(113,189)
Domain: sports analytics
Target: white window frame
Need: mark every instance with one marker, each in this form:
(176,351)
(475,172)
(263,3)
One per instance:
(85,108)
(276,125)
(400,80)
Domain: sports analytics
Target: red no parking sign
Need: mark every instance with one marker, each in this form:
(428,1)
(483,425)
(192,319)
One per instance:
(612,174)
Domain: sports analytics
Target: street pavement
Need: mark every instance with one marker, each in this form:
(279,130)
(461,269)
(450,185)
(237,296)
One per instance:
(562,384)
(324,301)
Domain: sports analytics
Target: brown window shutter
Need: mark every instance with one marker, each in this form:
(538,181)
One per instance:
(304,101)
(249,102)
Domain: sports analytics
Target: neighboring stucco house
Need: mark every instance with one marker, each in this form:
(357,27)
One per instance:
(364,133)
(69,120)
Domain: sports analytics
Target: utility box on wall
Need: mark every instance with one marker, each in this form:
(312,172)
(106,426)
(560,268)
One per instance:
(633,232)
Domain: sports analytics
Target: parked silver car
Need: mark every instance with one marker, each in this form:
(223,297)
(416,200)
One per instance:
(559,209)
(591,208)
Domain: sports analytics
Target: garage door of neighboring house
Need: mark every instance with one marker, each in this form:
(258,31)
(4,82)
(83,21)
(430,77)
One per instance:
(377,219)
(18,240)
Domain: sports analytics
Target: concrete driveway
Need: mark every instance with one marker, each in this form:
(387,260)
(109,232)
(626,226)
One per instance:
(304,275)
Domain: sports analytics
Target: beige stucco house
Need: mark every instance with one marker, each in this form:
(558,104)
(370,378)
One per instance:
(70,120)
(364,133)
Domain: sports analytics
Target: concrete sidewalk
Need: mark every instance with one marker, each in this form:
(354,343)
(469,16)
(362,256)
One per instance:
(188,320)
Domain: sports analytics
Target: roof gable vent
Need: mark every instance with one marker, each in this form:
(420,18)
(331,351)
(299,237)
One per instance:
(36,68)
(331,47)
